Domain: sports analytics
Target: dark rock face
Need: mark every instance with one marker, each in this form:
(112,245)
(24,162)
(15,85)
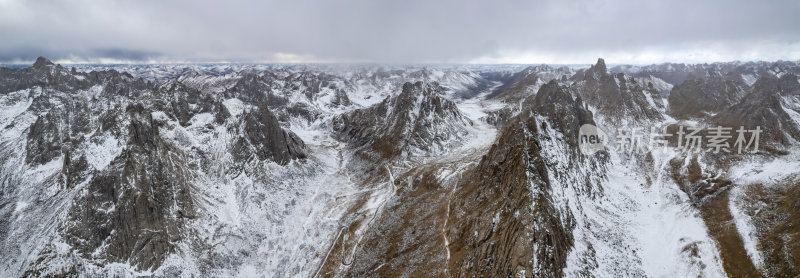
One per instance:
(616,95)
(134,211)
(74,170)
(495,231)
(566,114)
(263,136)
(184,103)
(763,107)
(700,97)
(418,119)
(56,131)
(494,224)
(256,90)
(341,99)
(600,66)
(44,140)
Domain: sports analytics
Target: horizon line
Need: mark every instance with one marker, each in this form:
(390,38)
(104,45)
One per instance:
(113,62)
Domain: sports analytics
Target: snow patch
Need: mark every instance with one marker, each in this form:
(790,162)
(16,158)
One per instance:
(99,155)
(234,106)
(745,226)
(749,79)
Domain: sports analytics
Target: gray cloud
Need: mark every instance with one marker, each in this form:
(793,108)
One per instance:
(400,31)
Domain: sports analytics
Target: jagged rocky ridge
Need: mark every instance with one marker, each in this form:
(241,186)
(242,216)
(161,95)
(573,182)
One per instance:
(316,171)
(500,216)
(618,96)
(418,121)
(621,97)
(703,97)
(771,106)
(126,192)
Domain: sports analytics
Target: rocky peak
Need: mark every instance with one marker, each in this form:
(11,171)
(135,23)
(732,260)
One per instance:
(413,92)
(511,183)
(42,73)
(419,119)
(785,85)
(509,178)
(770,106)
(618,95)
(600,66)
(263,136)
(566,114)
(550,94)
(595,72)
(42,62)
(526,82)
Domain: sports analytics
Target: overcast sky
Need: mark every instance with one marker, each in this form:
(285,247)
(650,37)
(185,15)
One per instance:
(428,31)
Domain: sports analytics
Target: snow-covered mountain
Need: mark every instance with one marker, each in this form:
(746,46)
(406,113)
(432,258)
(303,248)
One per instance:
(400,171)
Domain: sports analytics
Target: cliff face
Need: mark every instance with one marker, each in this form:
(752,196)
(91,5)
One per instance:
(263,137)
(770,105)
(617,96)
(703,97)
(418,121)
(528,229)
(133,211)
(503,217)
